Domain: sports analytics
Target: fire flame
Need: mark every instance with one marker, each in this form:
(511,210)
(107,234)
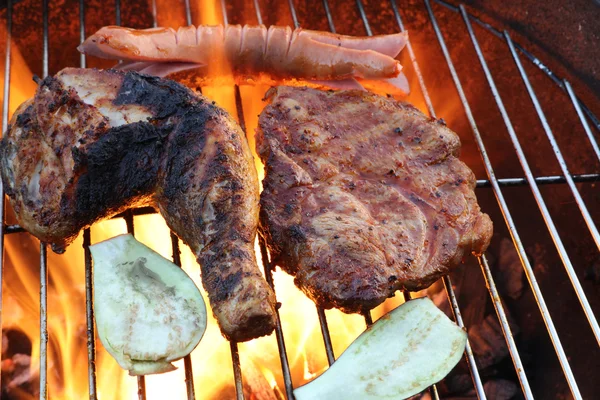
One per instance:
(211,360)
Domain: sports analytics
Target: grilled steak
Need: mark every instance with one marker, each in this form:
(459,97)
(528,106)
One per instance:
(363,196)
(92,143)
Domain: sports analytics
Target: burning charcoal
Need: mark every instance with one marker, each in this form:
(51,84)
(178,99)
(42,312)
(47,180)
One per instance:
(509,271)
(592,273)
(16,362)
(457,383)
(500,389)
(15,341)
(488,342)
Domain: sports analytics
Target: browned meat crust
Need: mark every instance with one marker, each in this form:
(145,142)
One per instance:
(94,143)
(363,196)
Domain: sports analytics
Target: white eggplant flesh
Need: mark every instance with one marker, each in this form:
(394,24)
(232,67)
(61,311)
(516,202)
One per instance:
(400,355)
(148,311)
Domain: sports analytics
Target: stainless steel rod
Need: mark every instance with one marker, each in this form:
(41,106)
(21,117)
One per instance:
(5,103)
(89,314)
(508,335)
(43,322)
(141,383)
(414,62)
(582,118)
(556,149)
(224,13)
(540,180)
(363,16)
(326,336)
(258,13)
(187,360)
(82,57)
(285,367)
(188,13)
(118,12)
(329,16)
(237,371)
(538,196)
(45,38)
(293,13)
(468,350)
(533,59)
(7,58)
(154,21)
(89,284)
(141,379)
(504,207)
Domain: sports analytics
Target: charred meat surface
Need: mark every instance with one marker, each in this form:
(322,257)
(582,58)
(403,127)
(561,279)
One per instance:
(363,195)
(92,143)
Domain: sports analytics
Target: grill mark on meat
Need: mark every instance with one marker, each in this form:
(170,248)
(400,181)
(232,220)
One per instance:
(365,209)
(184,155)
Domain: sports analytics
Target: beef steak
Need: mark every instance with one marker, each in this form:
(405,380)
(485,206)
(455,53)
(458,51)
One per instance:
(363,195)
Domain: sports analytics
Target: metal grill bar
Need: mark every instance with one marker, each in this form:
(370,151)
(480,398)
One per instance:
(89,314)
(43,322)
(534,60)
(293,12)
(82,57)
(447,282)
(258,13)
(541,180)
(588,219)
(43,247)
(141,379)
(6,97)
(510,340)
(237,371)
(468,350)
(505,211)
(188,13)
(326,336)
(45,38)
(529,174)
(414,62)
(89,285)
(582,118)
(329,17)
(5,101)
(118,12)
(285,367)
(187,360)
(580,203)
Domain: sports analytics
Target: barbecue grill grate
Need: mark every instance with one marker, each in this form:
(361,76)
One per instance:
(496,184)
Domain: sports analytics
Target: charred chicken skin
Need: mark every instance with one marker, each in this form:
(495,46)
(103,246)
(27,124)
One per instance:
(92,143)
(363,195)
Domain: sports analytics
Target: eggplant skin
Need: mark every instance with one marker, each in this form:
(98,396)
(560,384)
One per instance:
(94,143)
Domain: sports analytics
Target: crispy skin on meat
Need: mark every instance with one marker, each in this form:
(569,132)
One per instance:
(92,143)
(363,196)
